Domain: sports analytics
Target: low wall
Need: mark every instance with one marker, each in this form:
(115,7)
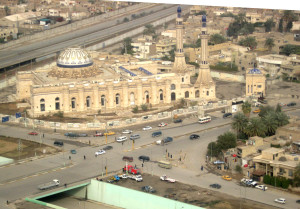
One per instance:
(8,82)
(228,76)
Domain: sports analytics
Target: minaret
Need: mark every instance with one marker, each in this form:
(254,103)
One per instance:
(205,83)
(179,63)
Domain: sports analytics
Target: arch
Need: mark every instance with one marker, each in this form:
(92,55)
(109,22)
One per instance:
(103,100)
(132,99)
(57,103)
(173,96)
(88,101)
(207,93)
(118,99)
(197,94)
(187,94)
(73,103)
(147,97)
(173,86)
(42,105)
(161,95)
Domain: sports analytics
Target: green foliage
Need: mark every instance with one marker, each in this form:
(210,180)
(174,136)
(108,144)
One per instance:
(195,64)
(290,49)
(238,169)
(149,30)
(127,46)
(278,108)
(59,114)
(277,181)
(269,24)
(213,149)
(269,43)
(264,110)
(275,145)
(255,127)
(259,24)
(144,107)
(1,40)
(267,179)
(135,109)
(194,45)
(280,26)
(7,10)
(227,14)
(281,119)
(225,66)
(171,57)
(289,26)
(248,42)
(226,141)
(246,108)
(217,39)
(125,19)
(239,123)
(297,175)
(203,12)
(240,26)
(270,123)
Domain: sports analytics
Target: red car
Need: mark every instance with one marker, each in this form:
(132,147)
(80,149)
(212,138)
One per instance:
(162,124)
(33,133)
(98,134)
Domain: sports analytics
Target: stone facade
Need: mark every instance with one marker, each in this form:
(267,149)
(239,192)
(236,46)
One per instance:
(255,83)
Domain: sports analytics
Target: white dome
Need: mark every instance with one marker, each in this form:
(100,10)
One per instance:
(74,58)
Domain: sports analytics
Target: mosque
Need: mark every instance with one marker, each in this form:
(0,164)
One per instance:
(83,83)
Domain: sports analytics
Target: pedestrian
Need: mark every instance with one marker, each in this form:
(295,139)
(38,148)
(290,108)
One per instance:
(201,167)
(43,135)
(69,157)
(122,143)
(83,156)
(65,185)
(171,156)
(6,202)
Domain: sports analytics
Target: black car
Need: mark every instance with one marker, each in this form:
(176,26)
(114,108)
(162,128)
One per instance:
(107,148)
(178,121)
(216,186)
(156,134)
(59,143)
(194,136)
(227,115)
(291,104)
(144,158)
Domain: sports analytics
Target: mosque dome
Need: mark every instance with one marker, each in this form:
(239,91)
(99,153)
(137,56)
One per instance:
(74,58)
(254,71)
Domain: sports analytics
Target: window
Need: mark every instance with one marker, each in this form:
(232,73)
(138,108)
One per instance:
(42,105)
(57,104)
(161,95)
(187,94)
(197,94)
(88,101)
(73,103)
(182,79)
(117,99)
(103,100)
(258,86)
(147,96)
(173,87)
(207,93)
(132,99)
(173,96)
(291,173)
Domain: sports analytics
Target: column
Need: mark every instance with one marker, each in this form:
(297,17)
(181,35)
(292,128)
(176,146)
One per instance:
(66,100)
(81,99)
(125,95)
(111,96)
(95,98)
(153,93)
(140,92)
(167,100)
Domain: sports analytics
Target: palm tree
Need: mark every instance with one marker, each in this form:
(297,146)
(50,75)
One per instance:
(255,127)
(270,123)
(269,43)
(239,123)
(281,119)
(246,108)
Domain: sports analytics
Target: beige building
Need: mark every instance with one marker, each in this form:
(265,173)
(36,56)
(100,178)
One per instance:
(275,162)
(144,48)
(164,46)
(255,83)
(250,148)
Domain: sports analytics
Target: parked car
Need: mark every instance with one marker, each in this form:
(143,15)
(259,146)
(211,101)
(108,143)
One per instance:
(100,152)
(135,136)
(280,200)
(59,143)
(162,124)
(156,133)
(69,134)
(177,121)
(257,111)
(147,128)
(107,148)
(126,131)
(148,189)
(138,178)
(123,176)
(126,158)
(121,139)
(291,104)
(281,104)
(218,162)
(33,133)
(194,136)
(164,141)
(98,134)
(109,133)
(216,186)
(227,178)
(262,187)
(144,158)
(227,115)
(82,135)
(73,151)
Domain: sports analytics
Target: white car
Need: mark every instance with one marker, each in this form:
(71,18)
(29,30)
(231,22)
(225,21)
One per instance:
(138,178)
(280,200)
(262,187)
(121,138)
(100,152)
(127,131)
(147,128)
(162,124)
(124,176)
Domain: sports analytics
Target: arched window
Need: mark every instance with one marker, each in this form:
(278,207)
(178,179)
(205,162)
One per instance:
(182,79)
(88,101)
(103,100)
(147,96)
(173,87)
(187,94)
(57,104)
(132,99)
(42,105)
(117,99)
(197,94)
(207,93)
(73,103)
(161,95)
(173,96)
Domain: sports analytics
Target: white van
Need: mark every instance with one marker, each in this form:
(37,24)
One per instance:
(121,138)
(204,119)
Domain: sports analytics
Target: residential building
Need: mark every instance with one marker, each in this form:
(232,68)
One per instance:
(144,48)
(255,83)
(9,2)
(164,46)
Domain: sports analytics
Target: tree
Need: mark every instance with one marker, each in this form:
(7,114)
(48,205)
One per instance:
(213,149)
(226,141)
(217,39)
(238,169)
(270,123)
(297,176)
(202,12)
(127,49)
(144,107)
(125,19)
(149,30)
(288,49)
(135,109)
(281,119)
(289,26)
(269,24)
(269,43)
(255,127)
(248,42)
(7,10)
(239,123)
(246,108)
(280,26)
(278,108)
(264,110)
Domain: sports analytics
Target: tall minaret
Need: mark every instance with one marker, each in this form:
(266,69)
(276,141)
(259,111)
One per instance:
(179,63)
(205,83)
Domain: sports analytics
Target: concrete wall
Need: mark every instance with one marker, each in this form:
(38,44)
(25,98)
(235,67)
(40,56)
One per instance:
(228,76)
(127,198)
(7,82)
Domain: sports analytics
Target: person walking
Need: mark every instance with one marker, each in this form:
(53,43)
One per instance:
(83,156)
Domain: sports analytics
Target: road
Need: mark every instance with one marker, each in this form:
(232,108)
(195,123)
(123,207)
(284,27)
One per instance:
(94,33)
(18,181)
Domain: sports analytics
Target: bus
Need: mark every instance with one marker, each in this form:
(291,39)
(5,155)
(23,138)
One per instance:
(164,164)
(204,119)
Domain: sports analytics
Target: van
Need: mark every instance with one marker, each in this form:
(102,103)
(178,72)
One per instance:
(204,119)
(135,136)
(156,134)
(59,143)
(165,164)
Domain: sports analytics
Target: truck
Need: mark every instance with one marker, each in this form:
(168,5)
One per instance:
(131,169)
(49,185)
(166,178)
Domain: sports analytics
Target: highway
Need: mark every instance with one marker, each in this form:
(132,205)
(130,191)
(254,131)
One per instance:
(18,181)
(88,35)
